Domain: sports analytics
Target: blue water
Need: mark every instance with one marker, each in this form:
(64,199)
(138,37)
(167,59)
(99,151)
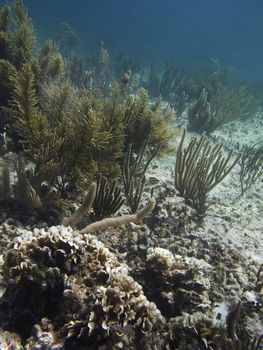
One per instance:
(151,30)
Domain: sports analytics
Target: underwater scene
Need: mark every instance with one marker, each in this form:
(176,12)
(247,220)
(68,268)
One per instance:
(131,175)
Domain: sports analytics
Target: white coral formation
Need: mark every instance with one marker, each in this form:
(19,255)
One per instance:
(32,249)
(43,337)
(10,341)
(121,305)
(162,255)
(177,282)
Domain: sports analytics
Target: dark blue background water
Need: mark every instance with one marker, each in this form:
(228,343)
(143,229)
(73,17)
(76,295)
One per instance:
(151,30)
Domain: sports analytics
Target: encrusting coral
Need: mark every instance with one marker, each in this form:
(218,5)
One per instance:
(76,282)
(203,333)
(43,337)
(173,283)
(10,341)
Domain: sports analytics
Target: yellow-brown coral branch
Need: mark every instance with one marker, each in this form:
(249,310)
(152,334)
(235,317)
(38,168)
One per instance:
(84,208)
(121,220)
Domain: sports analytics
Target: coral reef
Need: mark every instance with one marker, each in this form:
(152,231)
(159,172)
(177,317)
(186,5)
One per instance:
(86,294)
(10,341)
(201,333)
(76,282)
(175,285)
(43,337)
(79,131)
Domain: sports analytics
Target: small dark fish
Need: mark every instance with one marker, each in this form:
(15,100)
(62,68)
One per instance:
(152,181)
